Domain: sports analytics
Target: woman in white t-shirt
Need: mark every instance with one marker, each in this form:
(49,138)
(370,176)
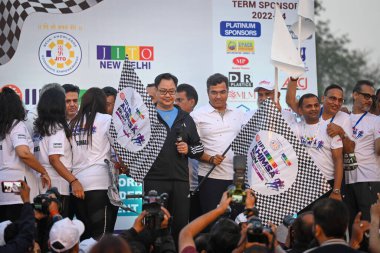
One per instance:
(16,155)
(91,147)
(52,146)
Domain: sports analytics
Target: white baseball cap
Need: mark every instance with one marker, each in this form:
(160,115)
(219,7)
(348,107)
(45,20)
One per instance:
(3,225)
(65,234)
(264,84)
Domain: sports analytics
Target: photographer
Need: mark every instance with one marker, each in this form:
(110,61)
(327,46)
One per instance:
(46,212)
(161,239)
(18,236)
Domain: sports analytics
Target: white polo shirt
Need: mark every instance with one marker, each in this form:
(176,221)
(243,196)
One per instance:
(216,133)
(319,145)
(12,168)
(365,134)
(55,144)
(88,160)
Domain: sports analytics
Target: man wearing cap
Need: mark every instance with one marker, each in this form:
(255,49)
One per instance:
(65,234)
(265,89)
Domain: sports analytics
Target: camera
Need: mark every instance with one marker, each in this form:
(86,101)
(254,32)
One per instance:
(43,201)
(289,220)
(10,186)
(236,190)
(255,230)
(152,205)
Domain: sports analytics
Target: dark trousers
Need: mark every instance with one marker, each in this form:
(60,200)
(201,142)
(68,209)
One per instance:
(211,192)
(96,212)
(195,206)
(10,212)
(178,202)
(65,208)
(360,197)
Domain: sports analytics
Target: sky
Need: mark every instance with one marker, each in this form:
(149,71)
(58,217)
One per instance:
(357,18)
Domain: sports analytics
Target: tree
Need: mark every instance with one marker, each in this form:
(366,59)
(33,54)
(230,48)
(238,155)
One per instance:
(338,64)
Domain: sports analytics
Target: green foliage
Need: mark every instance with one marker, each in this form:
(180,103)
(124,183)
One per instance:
(338,64)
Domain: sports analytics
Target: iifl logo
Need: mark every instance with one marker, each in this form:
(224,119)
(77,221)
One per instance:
(111,57)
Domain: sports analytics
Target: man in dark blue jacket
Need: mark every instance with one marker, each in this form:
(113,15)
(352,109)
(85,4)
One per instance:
(170,173)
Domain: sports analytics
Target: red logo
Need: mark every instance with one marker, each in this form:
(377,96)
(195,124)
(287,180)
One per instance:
(240,61)
(15,88)
(301,84)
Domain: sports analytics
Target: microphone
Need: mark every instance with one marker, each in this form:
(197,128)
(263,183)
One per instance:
(180,138)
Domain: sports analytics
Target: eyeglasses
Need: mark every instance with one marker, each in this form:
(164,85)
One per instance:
(367,96)
(335,99)
(164,92)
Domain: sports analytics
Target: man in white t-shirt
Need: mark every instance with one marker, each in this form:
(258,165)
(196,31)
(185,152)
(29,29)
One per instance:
(363,183)
(325,151)
(265,89)
(338,122)
(217,126)
(72,100)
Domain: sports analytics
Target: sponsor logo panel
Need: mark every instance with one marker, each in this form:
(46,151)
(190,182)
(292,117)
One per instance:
(240,29)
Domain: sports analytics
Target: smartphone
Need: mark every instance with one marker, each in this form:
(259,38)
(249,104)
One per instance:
(10,186)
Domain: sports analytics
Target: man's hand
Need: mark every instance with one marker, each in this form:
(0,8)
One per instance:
(375,210)
(224,202)
(138,225)
(24,192)
(77,189)
(358,229)
(336,196)
(334,130)
(218,159)
(182,147)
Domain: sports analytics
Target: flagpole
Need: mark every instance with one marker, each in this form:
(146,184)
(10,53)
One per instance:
(275,84)
(208,173)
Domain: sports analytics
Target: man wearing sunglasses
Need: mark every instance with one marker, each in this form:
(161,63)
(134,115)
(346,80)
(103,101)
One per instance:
(169,173)
(363,183)
(338,123)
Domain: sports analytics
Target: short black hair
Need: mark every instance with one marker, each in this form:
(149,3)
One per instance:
(151,85)
(360,83)
(110,91)
(191,93)
(307,95)
(166,76)
(216,79)
(377,92)
(332,86)
(224,236)
(71,88)
(332,216)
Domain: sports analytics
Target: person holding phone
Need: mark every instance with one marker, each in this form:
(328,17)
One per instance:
(16,154)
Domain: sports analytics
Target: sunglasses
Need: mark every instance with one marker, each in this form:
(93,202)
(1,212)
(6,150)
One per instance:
(367,96)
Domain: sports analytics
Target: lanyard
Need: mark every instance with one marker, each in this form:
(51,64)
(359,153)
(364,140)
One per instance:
(320,115)
(360,119)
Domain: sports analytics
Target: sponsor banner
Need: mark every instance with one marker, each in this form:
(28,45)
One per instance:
(240,46)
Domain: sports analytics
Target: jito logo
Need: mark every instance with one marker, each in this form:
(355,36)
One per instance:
(111,57)
(60,54)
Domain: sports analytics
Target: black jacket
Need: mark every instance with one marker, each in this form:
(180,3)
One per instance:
(169,164)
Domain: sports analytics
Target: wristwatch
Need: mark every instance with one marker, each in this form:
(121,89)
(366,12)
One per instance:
(336,191)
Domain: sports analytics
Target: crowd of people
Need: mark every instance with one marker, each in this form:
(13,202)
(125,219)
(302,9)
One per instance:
(57,152)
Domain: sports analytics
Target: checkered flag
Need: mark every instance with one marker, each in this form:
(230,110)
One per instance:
(309,184)
(13,13)
(139,162)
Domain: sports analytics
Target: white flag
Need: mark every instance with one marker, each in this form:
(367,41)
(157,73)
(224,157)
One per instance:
(306,13)
(284,54)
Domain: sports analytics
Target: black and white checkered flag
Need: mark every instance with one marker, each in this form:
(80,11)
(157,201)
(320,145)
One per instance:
(138,161)
(309,183)
(13,13)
